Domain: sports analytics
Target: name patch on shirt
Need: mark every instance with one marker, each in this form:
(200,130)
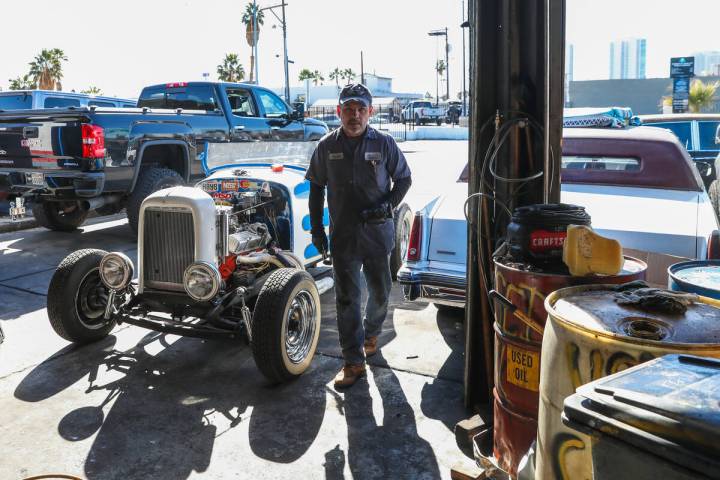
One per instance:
(373,157)
(336,156)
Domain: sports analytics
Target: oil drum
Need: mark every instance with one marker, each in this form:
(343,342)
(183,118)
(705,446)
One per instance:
(517,352)
(589,335)
(697,276)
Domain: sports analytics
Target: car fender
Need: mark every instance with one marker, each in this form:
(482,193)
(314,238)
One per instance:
(184,161)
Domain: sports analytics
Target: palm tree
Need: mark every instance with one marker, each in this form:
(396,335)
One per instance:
(702,95)
(348,75)
(231,70)
(305,74)
(336,75)
(46,69)
(92,91)
(22,83)
(317,77)
(252,18)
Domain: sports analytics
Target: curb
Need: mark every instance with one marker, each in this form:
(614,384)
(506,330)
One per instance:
(7,225)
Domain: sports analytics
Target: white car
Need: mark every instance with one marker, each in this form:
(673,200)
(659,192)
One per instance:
(638,184)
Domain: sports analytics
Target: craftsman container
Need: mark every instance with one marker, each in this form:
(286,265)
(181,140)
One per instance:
(699,276)
(659,420)
(517,352)
(588,336)
(536,233)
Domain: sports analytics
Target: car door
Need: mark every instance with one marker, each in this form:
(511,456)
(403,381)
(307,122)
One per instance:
(278,115)
(247,124)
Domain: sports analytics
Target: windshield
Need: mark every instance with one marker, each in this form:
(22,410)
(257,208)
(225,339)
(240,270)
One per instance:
(220,155)
(707,135)
(422,105)
(18,101)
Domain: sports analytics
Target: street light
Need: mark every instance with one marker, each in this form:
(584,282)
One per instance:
(438,33)
(285,56)
(464,25)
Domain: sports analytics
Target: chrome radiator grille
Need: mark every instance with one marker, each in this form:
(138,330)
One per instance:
(168,247)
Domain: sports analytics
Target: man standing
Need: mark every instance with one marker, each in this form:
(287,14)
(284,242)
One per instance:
(366,176)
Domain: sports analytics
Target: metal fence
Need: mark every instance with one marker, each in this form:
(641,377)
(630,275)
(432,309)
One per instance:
(384,119)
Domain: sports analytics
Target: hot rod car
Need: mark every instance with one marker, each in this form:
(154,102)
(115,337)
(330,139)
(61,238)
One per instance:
(226,258)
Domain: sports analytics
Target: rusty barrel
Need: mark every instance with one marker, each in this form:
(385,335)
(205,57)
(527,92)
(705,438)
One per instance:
(517,352)
(590,335)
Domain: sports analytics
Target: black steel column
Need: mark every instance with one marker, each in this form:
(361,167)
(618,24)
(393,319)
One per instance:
(516,69)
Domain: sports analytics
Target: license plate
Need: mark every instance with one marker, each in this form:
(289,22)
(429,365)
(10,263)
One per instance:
(523,368)
(210,186)
(35,179)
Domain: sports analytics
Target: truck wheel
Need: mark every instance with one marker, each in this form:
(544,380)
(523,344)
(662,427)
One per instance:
(714,193)
(150,180)
(403,222)
(77,298)
(59,216)
(286,324)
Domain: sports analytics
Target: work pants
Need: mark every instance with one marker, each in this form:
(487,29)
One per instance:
(352,327)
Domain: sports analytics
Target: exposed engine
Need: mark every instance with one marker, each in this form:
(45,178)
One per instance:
(257,234)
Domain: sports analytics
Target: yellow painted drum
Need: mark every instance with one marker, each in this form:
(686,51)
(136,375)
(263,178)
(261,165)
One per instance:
(588,335)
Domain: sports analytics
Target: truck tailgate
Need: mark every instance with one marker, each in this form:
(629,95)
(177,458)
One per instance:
(37,141)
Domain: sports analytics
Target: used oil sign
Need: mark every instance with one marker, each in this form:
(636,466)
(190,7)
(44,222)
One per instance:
(523,368)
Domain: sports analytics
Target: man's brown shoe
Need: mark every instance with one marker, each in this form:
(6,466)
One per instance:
(349,375)
(371,346)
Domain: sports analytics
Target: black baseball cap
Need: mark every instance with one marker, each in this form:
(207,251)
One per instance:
(355,92)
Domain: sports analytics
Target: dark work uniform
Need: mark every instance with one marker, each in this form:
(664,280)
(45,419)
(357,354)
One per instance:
(359,174)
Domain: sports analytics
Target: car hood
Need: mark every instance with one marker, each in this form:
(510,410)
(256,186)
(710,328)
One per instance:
(652,220)
(663,221)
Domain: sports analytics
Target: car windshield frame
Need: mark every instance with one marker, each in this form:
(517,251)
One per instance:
(257,154)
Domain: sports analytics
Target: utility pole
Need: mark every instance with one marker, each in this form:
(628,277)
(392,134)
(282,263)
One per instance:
(285,54)
(255,41)
(447,68)
(463,26)
(362,71)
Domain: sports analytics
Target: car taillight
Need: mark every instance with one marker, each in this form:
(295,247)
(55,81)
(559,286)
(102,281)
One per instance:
(713,249)
(413,253)
(93,141)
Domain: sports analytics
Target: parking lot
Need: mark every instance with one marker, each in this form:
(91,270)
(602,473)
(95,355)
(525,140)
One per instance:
(146,405)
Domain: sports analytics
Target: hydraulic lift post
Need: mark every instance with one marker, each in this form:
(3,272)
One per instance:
(517,52)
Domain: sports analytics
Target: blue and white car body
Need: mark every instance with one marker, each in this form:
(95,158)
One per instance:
(638,184)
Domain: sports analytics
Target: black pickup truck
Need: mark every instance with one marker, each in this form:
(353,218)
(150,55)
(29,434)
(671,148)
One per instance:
(70,161)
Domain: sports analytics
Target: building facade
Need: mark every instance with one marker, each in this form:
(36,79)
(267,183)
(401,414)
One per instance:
(628,58)
(707,63)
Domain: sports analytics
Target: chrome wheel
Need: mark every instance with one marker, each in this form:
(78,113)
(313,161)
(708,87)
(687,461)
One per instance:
(91,299)
(300,326)
(404,237)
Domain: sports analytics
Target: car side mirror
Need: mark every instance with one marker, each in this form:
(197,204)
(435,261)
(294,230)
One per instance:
(298,112)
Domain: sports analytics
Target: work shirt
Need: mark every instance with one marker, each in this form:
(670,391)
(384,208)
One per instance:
(357,179)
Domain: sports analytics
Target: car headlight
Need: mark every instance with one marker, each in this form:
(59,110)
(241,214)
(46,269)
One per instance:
(202,281)
(116,270)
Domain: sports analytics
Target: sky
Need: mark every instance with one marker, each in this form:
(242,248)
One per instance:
(121,46)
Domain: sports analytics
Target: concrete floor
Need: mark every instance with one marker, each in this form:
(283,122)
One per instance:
(146,405)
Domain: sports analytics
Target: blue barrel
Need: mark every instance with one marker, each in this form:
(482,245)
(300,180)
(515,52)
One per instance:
(698,276)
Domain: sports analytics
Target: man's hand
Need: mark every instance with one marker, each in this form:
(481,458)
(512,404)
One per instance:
(378,214)
(320,240)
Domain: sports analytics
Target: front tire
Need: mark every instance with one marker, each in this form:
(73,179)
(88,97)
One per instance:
(403,222)
(286,324)
(77,298)
(59,216)
(150,180)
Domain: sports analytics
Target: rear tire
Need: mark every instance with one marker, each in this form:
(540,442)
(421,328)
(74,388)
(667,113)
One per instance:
(77,298)
(403,222)
(286,324)
(59,216)
(150,180)
(714,194)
